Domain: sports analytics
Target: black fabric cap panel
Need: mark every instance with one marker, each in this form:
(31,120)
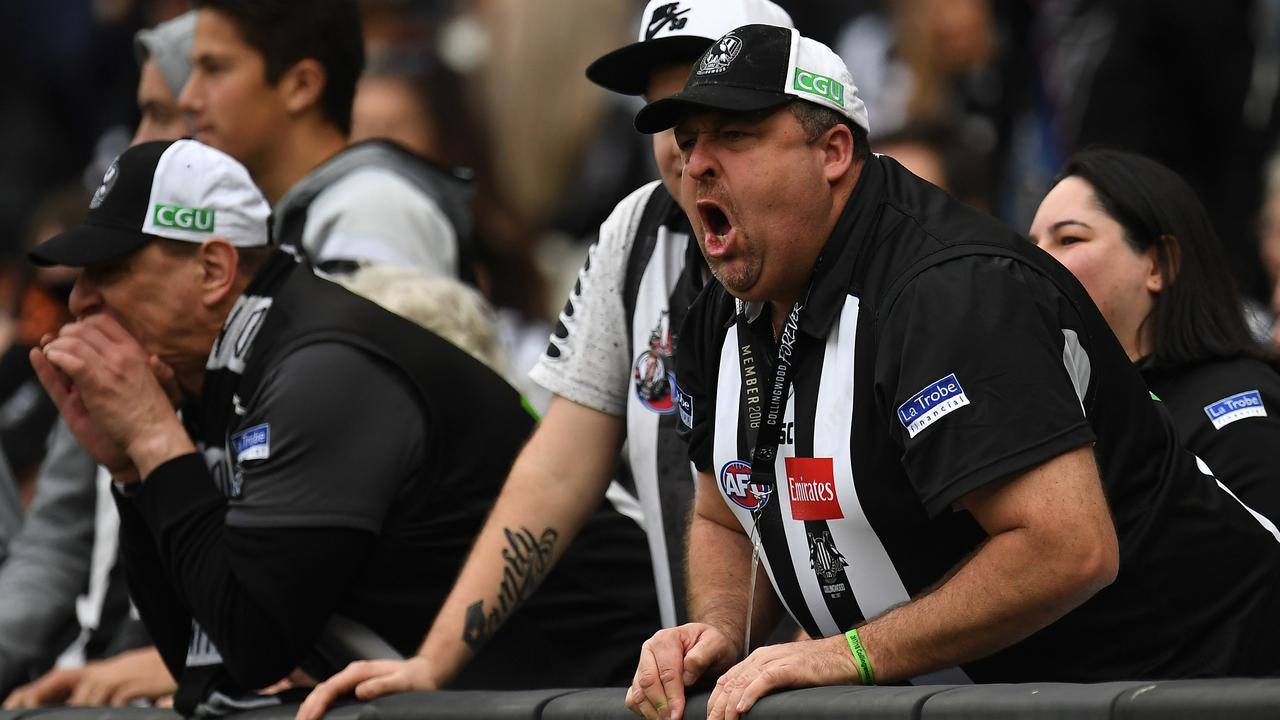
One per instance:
(761,61)
(627,69)
(666,113)
(753,78)
(125,206)
(87,245)
(114,227)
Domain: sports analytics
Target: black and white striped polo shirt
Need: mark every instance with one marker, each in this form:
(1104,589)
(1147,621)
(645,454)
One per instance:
(613,350)
(939,353)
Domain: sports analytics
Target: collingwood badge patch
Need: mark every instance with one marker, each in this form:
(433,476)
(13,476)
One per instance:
(721,55)
(108,182)
(827,563)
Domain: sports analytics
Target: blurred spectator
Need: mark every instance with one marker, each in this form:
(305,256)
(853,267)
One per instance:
(1149,76)
(164,54)
(1269,249)
(444,306)
(45,581)
(68,79)
(959,62)
(1140,242)
(823,20)
(39,307)
(391,106)
(397,99)
(934,150)
(119,681)
(83,558)
(273,86)
(1269,235)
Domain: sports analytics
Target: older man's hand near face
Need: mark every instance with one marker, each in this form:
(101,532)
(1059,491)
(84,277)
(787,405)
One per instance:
(106,387)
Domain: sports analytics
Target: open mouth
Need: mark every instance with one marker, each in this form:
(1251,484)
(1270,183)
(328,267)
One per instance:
(714,219)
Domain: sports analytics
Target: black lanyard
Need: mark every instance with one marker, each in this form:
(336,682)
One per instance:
(765,453)
(768,436)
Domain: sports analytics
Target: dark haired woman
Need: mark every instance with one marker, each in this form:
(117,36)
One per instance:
(1141,243)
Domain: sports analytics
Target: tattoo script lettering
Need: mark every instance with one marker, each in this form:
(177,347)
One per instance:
(526,561)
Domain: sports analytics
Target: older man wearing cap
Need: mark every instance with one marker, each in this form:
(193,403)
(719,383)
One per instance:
(62,558)
(921,427)
(346,457)
(610,367)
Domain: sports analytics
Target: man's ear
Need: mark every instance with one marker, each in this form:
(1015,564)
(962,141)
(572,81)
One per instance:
(302,85)
(219,268)
(837,146)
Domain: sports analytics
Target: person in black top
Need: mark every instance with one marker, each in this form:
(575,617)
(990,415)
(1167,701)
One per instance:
(953,470)
(1139,240)
(332,463)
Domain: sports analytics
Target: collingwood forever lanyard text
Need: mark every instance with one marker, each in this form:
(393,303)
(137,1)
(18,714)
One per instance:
(765,453)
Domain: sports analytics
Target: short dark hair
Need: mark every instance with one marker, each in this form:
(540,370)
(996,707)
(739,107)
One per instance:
(1198,314)
(816,120)
(287,31)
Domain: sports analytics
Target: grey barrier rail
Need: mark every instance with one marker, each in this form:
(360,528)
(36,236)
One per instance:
(1245,699)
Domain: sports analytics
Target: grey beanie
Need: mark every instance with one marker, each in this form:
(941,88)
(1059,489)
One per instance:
(169,44)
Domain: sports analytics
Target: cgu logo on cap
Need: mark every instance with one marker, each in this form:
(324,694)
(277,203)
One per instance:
(820,85)
(184,218)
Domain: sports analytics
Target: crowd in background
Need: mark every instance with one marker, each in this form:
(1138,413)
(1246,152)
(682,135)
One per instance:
(985,98)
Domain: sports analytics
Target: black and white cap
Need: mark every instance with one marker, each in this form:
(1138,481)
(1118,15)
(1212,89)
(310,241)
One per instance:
(757,67)
(176,189)
(672,32)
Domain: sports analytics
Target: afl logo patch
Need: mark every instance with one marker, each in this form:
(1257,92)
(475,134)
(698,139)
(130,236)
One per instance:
(735,483)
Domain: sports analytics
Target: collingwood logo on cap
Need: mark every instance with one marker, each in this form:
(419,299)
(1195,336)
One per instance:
(720,55)
(108,182)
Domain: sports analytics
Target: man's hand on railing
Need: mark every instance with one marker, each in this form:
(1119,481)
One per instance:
(369,679)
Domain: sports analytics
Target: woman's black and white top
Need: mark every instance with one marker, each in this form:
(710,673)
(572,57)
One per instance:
(1226,413)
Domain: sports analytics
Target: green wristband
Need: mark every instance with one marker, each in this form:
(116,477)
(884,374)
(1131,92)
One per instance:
(866,675)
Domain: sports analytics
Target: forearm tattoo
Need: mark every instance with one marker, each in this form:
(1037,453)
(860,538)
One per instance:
(526,561)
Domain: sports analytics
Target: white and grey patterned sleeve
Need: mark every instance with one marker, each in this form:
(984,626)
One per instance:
(586,360)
